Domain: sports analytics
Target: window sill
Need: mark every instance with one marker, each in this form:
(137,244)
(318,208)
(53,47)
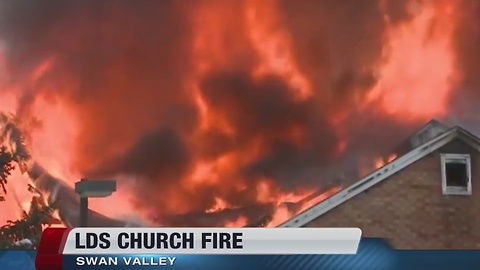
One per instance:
(459,192)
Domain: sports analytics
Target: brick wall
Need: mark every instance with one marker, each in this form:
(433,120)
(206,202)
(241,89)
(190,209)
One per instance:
(410,211)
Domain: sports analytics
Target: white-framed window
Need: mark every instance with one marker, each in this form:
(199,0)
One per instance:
(456,174)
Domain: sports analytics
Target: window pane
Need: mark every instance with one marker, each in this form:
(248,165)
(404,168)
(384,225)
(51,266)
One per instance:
(456,174)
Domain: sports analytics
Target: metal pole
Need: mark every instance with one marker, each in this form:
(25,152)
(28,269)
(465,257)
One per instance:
(83,211)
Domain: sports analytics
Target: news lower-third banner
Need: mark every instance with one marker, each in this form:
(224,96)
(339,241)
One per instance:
(224,248)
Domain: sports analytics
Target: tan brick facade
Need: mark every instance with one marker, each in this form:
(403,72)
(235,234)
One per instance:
(410,211)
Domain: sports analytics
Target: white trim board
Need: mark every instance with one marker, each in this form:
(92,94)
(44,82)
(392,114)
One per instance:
(381,174)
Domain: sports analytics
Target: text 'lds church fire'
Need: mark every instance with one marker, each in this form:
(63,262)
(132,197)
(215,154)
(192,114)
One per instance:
(159,240)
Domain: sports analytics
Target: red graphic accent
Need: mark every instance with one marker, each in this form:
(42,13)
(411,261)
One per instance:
(49,255)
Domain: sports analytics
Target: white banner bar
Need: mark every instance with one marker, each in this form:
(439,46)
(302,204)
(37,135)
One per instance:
(212,241)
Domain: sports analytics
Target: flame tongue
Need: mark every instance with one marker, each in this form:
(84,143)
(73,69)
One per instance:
(419,74)
(273,47)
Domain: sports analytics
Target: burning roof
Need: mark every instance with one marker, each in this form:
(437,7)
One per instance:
(431,143)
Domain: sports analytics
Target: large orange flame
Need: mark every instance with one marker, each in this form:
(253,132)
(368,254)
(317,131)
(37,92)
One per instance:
(414,78)
(418,71)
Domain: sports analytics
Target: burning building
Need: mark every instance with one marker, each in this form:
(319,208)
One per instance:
(215,112)
(424,199)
